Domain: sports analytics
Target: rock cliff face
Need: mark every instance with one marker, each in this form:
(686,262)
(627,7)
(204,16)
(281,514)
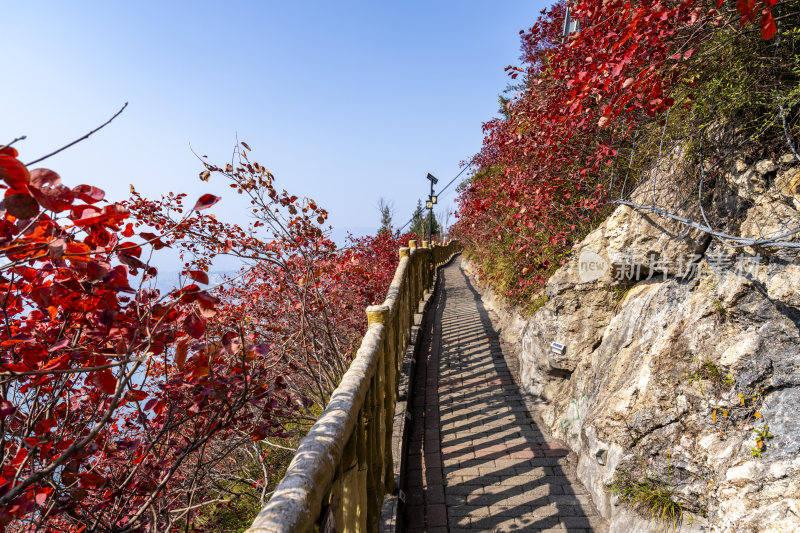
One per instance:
(671,372)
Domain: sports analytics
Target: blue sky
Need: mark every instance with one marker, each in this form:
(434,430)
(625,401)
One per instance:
(345,102)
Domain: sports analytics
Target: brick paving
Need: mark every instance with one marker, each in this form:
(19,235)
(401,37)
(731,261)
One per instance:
(477,461)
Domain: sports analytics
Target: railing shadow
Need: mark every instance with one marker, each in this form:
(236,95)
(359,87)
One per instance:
(425,501)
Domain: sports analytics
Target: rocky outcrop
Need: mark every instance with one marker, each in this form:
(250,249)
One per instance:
(686,370)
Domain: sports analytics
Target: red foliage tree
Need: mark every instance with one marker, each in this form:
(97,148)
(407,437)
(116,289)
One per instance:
(126,410)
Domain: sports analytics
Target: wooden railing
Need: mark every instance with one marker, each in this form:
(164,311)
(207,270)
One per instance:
(343,467)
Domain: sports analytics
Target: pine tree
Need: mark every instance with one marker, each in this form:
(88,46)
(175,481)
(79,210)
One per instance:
(386,211)
(420,222)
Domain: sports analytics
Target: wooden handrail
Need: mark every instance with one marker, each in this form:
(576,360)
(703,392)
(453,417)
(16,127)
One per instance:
(343,467)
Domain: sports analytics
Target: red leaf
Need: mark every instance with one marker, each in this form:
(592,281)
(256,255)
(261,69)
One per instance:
(116,211)
(768,28)
(134,395)
(207,300)
(78,252)
(201,371)
(56,248)
(45,185)
(262,349)
(80,212)
(88,194)
(180,353)
(56,199)
(92,479)
(194,325)
(130,248)
(206,201)
(6,408)
(42,177)
(198,275)
(13,171)
(131,261)
(21,205)
(98,269)
(150,273)
(231,342)
(42,494)
(57,346)
(207,303)
(189,293)
(745,6)
(208,312)
(104,380)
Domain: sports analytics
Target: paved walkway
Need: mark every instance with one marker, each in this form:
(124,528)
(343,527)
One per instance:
(477,461)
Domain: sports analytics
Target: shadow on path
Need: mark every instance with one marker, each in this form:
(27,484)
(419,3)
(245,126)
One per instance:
(498,471)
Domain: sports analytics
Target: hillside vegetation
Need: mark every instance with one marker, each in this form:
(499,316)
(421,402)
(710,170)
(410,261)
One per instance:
(593,112)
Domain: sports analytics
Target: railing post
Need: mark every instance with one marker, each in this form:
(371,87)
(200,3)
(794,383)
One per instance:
(424,264)
(361,469)
(429,263)
(416,283)
(376,425)
(371,426)
(350,483)
(336,497)
(402,304)
(387,371)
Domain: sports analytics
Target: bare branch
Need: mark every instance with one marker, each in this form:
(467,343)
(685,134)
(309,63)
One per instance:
(20,138)
(76,141)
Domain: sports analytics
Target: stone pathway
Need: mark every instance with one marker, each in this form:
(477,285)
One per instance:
(477,461)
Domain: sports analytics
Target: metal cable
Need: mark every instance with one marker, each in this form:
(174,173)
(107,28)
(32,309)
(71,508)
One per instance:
(743,241)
